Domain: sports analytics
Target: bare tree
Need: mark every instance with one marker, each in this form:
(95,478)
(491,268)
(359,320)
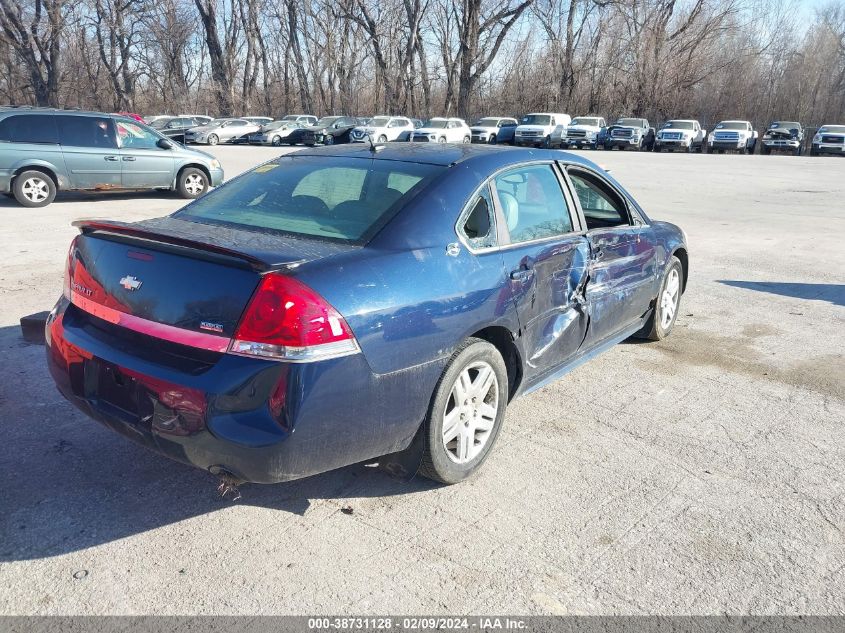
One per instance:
(34,32)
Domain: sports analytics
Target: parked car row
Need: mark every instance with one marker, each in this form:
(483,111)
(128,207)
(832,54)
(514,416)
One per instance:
(536,129)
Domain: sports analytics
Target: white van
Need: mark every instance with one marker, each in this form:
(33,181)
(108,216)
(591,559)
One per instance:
(536,128)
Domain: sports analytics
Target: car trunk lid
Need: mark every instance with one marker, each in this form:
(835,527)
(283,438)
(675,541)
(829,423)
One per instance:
(181,281)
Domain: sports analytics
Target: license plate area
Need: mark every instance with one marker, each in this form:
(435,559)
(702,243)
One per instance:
(116,393)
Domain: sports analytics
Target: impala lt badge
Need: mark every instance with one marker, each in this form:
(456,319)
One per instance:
(131,283)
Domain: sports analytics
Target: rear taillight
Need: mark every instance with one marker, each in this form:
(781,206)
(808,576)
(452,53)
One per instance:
(286,320)
(69,270)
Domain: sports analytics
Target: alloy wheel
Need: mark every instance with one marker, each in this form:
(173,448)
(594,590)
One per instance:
(35,189)
(470,413)
(669,299)
(194,184)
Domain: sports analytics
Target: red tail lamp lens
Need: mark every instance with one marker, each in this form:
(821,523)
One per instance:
(287,319)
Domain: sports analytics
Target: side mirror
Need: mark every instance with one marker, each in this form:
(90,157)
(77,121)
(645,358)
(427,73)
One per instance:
(163,143)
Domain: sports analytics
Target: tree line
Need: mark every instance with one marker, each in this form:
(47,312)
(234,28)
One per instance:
(705,59)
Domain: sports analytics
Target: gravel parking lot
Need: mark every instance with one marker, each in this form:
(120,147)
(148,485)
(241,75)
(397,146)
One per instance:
(702,474)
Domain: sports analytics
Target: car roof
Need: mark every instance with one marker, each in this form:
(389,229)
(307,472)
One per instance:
(494,157)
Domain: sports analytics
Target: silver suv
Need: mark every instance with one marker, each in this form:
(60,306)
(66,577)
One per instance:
(43,151)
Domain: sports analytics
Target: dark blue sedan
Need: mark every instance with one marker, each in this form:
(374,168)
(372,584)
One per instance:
(340,304)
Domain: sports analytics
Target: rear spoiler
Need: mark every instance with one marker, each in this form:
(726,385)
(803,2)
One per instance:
(124,229)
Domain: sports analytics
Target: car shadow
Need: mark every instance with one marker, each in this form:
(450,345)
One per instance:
(69,483)
(93,196)
(832,293)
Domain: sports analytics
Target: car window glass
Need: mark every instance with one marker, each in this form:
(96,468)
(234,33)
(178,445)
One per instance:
(346,199)
(28,128)
(332,185)
(86,131)
(134,136)
(601,205)
(402,182)
(478,227)
(532,203)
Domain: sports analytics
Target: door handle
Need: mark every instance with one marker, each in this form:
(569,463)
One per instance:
(522,274)
(111,158)
(129,158)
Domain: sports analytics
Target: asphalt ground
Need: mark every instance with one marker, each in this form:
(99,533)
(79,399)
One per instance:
(699,475)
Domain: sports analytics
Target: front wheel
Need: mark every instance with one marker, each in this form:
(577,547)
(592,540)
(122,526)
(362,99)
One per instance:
(467,139)
(329,140)
(213,139)
(277,140)
(382,139)
(466,413)
(192,183)
(442,139)
(492,139)
(667,304)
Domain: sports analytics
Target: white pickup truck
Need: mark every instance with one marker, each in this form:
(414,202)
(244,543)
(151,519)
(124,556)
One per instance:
(733,136)
(536,128)
(582,131)
(685,135)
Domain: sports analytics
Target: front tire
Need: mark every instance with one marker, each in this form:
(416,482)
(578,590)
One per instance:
(213,139)
(277,141)
(667,304)
(192,183)
(34,189)
(466,413)
(492,139)
(382,139)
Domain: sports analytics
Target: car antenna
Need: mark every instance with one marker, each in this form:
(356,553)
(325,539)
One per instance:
(373,147)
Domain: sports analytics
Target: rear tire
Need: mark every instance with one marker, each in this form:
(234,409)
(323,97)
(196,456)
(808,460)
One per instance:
(460,435)
(34,189)
(666,305)
(191,183)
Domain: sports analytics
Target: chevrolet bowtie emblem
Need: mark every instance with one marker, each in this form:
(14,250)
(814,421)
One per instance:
(130,283)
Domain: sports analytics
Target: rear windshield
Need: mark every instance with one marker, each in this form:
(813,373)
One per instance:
(346,199)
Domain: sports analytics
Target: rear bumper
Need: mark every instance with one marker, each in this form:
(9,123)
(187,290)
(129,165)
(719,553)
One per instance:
(260,420)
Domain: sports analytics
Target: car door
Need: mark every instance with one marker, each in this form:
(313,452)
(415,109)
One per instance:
(545,255)
(145,165)
(623,257)
(89,147)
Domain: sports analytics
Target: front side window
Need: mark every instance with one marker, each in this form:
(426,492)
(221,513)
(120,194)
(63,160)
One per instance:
(134,136)
(28,128)
(346,199)
(532,203)
(86,131)
(601,205)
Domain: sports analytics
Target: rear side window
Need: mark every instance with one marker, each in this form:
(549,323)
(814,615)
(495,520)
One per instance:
(345,199)
(86,131)
(29,128)
(478,225)
(532,203)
